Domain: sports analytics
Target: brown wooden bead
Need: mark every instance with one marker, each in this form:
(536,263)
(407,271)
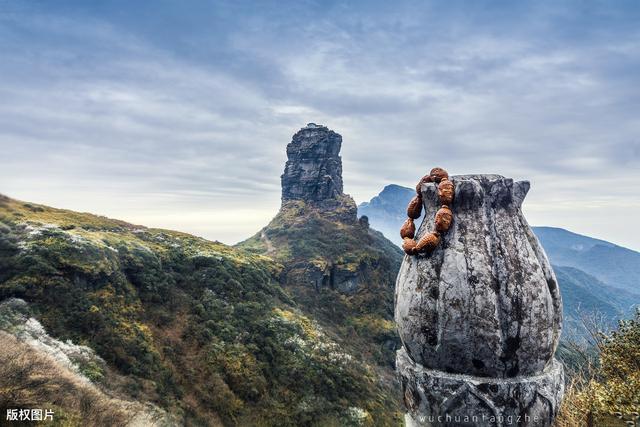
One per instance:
(425,179)
(409,246)
(444,217)
(438,174)
(428,242)
(408,229)
(414,210)
(445,192)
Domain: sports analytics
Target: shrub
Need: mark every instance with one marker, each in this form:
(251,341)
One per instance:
(609,393)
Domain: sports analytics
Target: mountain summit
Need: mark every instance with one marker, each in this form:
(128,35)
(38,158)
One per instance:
(338,270)
(316,234)
(313,172)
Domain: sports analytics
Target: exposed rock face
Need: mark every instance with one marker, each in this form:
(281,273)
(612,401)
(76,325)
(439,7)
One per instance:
(485,305)
(313,172)
(316,234)
(436,398)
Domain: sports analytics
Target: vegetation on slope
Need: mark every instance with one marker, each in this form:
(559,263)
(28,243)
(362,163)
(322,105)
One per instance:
(201,329)
(607,393)
(30,379)
(341,272)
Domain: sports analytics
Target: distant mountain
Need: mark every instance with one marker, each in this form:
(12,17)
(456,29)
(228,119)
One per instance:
(595,275)
(616,266)
(387,211)
(583,295)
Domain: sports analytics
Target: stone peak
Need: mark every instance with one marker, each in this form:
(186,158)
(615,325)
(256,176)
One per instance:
(313,172)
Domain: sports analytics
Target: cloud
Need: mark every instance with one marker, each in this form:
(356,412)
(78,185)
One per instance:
(177,110)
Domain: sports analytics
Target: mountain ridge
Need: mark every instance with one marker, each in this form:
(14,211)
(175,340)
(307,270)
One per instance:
(613,264)
(293,326)
(200,329)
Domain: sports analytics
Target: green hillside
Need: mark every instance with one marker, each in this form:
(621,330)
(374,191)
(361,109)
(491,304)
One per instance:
(203,330)
(340,272)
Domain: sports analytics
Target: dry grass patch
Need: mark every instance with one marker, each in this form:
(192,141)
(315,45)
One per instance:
(31,379)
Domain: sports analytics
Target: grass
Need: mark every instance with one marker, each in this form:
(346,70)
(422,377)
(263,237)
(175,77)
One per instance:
(33,380)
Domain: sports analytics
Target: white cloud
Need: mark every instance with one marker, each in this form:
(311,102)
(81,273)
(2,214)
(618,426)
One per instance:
(99,116)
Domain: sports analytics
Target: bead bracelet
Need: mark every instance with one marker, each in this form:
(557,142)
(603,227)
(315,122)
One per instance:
(443,218)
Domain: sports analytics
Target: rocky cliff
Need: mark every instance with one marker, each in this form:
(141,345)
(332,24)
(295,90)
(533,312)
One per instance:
(313,173)
(337,268)
(314,169)
(316,234)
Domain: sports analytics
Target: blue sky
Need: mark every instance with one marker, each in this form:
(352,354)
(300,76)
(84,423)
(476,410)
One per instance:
(177,114)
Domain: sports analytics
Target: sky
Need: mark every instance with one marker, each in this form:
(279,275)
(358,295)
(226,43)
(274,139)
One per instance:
(177,114)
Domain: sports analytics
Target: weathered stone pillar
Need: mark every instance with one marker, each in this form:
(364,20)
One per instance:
(480,317)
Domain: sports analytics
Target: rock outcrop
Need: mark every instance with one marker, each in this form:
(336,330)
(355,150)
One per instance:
(316,234)
(480,317)
(335,267)
(313,172)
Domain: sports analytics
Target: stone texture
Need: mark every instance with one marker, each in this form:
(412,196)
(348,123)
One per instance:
(313,171)
(485,303)
(440,399)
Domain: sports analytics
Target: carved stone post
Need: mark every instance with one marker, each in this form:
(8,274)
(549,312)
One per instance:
(480,317)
